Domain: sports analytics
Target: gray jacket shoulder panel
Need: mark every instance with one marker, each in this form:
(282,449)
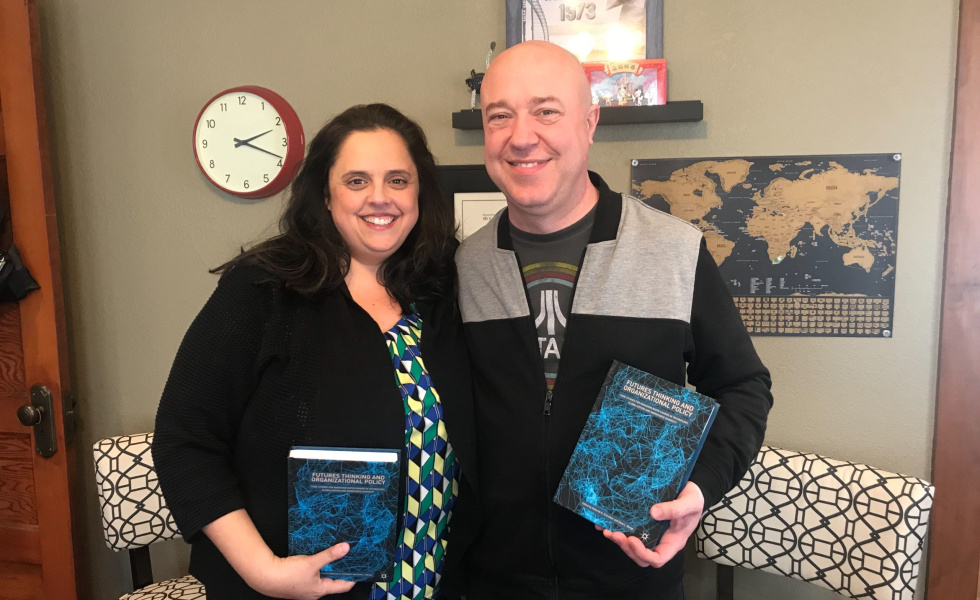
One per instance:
(646,272)
(489,291)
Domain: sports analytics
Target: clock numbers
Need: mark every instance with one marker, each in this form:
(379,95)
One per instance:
(263,108)
(204,143)
(227,177)
(278,121)
(210,123)
(246,184)
(224,106)
(241,100)
(283,142)
(280,163)
(265,178)
(211,164)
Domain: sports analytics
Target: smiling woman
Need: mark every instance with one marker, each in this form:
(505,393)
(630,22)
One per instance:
(287,353)
(373,195)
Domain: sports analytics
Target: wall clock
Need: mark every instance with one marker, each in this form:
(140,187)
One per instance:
(248,141)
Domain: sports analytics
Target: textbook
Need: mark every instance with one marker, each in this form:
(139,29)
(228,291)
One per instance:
(346,495)
(638,448)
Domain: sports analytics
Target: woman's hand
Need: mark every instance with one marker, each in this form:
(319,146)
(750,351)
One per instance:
(298,577)
(294,577)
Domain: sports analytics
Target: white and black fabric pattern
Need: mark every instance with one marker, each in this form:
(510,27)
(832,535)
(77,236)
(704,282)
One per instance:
(183,588)
(845,526)
(134,513)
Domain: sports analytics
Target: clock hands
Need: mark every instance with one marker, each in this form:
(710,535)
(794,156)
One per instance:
(245,143)
(239,142)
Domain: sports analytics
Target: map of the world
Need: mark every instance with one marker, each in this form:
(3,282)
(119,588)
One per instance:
(806,243)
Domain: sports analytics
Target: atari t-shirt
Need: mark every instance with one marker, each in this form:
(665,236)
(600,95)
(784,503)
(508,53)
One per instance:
(550,264)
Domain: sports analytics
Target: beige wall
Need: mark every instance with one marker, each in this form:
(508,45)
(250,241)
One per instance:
(141,226)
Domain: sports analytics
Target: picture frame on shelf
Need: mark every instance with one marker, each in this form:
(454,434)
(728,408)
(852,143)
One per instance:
(628,83)
(475,197)
(603,30)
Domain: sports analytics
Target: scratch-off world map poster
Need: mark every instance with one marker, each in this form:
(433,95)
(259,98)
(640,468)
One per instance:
(806,243)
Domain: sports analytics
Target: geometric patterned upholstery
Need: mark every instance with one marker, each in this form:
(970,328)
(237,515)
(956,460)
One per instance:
(841,525)
(184,588)
(134,513)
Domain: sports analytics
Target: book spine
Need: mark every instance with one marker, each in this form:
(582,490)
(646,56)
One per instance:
(697,450)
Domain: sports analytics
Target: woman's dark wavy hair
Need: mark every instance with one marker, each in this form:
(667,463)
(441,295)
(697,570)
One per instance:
(310,256)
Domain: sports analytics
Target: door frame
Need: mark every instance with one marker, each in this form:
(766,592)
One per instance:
(35,230)
(954,544)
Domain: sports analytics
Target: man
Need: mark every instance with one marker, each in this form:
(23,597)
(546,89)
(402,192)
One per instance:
(570,277)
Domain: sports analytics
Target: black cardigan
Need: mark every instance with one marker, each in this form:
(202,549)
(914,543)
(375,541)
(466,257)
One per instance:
(262,369)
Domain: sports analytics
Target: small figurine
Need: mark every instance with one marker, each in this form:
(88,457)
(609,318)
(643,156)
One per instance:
(624,93)
(638,96)
(475,80)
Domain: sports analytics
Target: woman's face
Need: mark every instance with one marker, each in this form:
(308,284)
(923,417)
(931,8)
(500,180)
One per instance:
(373,194)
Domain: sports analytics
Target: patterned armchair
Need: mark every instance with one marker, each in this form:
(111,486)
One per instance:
(135,515)
(841,525)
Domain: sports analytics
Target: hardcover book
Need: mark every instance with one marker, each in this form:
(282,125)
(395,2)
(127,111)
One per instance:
(637,449)
(346,495)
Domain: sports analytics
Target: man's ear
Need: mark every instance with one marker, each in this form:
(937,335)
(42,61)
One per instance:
(592,119)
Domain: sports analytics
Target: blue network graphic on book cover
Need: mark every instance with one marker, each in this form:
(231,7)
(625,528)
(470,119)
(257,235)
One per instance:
(638,448)
(345,495)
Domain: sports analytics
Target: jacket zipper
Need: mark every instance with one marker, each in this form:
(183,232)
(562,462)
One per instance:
(548,404)
(549,397)
(546,433)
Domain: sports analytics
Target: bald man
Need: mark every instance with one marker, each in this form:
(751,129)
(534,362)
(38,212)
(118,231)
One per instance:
(568,278)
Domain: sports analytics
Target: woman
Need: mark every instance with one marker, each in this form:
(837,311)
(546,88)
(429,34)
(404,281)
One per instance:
(299,345)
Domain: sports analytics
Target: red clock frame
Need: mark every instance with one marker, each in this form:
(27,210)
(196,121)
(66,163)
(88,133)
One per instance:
(295,148)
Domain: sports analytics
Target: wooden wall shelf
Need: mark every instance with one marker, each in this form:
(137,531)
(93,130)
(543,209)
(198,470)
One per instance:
(672,112)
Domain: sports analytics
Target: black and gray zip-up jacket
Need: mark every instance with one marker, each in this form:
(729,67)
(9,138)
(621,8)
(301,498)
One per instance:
(648,294)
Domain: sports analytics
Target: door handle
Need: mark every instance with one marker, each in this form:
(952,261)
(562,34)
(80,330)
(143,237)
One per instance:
(30,415)
(38,414)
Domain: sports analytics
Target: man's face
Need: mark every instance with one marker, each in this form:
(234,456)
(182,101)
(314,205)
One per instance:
(538,127)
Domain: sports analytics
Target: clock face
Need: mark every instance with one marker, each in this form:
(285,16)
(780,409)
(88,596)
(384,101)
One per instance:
(248,142)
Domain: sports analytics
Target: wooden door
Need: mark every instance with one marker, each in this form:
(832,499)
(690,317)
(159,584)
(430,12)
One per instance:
(954,545)
(36,547)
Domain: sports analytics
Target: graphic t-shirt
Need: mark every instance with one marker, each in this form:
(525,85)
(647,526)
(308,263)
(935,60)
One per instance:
(550,264)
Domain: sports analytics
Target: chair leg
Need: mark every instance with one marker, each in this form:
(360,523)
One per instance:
(725,589)
(139,564)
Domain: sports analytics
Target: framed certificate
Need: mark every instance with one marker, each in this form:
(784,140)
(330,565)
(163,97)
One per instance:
(603,30)
(476,198)
(473,210)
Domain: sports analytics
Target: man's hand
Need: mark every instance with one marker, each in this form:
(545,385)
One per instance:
(683,514)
